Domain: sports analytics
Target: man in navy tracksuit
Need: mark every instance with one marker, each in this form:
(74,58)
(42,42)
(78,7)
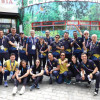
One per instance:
(89,72)
(14,38)
(31,47)
(22,47)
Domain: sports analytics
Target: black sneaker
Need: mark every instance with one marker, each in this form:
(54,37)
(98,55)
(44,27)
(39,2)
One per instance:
(50,81)
(96,92)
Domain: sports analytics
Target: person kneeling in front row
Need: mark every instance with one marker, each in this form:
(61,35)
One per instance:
(9,68)
(52,68)
(63,69)
(21,76)
(37,74)
(74,69)
(90,71)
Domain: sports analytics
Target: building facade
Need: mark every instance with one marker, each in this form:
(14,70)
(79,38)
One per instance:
(60,15)
(9,15)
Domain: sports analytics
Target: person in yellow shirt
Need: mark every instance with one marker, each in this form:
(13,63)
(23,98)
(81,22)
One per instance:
(63,69)
(9,68)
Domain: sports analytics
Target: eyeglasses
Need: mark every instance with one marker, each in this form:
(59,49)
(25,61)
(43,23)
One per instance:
(62,55)
(21,33)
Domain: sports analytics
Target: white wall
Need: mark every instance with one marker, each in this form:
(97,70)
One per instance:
(9,6)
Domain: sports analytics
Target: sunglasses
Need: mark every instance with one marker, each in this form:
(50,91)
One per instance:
(62,55)
(86,34)
(56,37)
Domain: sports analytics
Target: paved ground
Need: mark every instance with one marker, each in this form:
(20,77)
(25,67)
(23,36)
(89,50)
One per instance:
(51,92)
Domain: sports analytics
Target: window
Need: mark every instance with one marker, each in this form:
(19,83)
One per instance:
(71,27)
(94,23)
(94,28)
(84,27)
(36,24)
(72,22)
(84,22)
(47,23)
(47,28)
(4,20)
(60,23)
(37,28)
(59,27)
(13,23)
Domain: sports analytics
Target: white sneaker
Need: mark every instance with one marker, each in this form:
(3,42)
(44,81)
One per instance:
(22,90)
(89,78)
(14,90)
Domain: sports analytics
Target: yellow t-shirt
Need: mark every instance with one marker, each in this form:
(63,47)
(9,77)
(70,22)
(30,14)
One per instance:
(63,67)
(11,66)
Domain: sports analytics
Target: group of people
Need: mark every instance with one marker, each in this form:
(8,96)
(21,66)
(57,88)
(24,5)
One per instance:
(62,58)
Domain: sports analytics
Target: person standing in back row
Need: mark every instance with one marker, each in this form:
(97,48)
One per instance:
(14,38)
(42,51)
(48,39)
(4,46)
(22,47)
(31,47)
(56,47)
(66,42)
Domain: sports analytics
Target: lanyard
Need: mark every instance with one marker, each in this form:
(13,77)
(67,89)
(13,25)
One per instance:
(50,63)
(22,42)
(41,47)
(77,44)
(76,68)
(86,42)
(22,69)
(14,38)
(57,44)
(11,65)
(86,67)
(93,46)
(3,40)
(49,40)
(33,41)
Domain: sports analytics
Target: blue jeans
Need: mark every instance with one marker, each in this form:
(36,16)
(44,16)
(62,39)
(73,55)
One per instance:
(6,73)
(62,77)
(54,73)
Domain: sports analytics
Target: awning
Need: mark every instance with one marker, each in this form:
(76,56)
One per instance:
(9,15)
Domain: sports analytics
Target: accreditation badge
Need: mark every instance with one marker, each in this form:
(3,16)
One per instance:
(37,72)
(33,47)
(16,43)
(48,46)
(21,47)
(2,47)
(11,74)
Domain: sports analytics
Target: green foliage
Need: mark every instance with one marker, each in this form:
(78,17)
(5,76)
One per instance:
(94,12)
(95,32)
(25,3)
